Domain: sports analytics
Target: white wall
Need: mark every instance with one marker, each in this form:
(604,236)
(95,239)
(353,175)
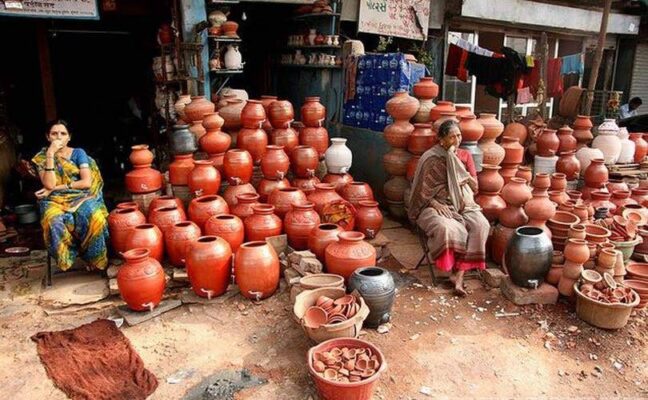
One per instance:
(437,10)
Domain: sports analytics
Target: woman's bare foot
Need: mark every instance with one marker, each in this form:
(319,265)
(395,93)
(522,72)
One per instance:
(459,290)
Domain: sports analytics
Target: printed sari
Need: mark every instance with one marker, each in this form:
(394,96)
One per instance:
(74,221)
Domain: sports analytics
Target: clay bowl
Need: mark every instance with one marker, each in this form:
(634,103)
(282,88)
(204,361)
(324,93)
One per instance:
(345,300)
(591,277)
(325,302)
(561,222)
(596,233)
(634,216)
(638,271)
(641,287)
(315,317)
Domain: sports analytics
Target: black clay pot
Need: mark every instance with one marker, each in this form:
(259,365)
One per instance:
(601,213)
(182,140)
(528,256)
(376,286)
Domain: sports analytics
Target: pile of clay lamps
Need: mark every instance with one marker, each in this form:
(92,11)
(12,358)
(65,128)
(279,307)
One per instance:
(604,288)
(622,229)
(329,311)
(345,364)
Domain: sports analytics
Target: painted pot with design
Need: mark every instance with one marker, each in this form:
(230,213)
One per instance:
(120,223)
(355,192)
(283,200)
(176,240)
(348,254)
(262,223)
(298,223)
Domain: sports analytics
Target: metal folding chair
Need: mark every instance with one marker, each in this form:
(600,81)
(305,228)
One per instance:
(425,258)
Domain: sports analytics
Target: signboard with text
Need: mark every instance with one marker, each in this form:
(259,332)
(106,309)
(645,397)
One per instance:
(71,9)
(402,18)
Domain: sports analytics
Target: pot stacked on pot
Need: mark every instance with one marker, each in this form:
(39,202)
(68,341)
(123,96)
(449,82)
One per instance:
(143,182)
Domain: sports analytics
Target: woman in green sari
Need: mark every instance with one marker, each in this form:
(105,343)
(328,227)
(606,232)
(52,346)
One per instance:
(73,214)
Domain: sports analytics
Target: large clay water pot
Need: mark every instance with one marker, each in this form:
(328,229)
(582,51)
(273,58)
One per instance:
(441,107)
(267,186)
(491,203)
(397,134)
(528,256)
(143,179)
(547,143)
(256,270)
(283,200)
(499,241)
(176,240)
(215,141)
(513,151)
(321,236)
(516,192)
(262,223)
(337,180)
(204,178)
(348,254)
(378,290)
(626,155)
(369,219)
(306,185)
(209,264)
(146,236)
(141,280)
(180,169)
(218,160)
(402,106)
(608,141)
(516,130)
(569,165)
(204,207)
(231,193)
(182,140)
(197,108)
(231,113)
(471,130)
(227,226)
(120,223)
(489,179)
(245,202)
(237,166)
(540,209)
(324,194)
(421,139)
(338,157)
(313,113)
(304,161)
(286,137)
(641,146)
(298,223)
(275,163)
(355,192)
(426,88)
(567,140)
(492,126)
(141,155)
(254,141)
(166,216)
(253,114)
(280,114)
(395,162)
(316,137)
(596,175)
(394,189)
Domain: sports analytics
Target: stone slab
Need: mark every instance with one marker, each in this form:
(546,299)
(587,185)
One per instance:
(113,287)
(390,223)
(493,277)
(112,271)
(291,276)
(544,294)
(309,265)
(189,297)
(137,317)
(379,240)
(75,288)
(180,275)
(279,243)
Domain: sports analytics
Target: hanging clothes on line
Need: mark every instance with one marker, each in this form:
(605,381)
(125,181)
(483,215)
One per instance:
(501,73)
(554,84)
(455,64)
(472,48)
(572,64)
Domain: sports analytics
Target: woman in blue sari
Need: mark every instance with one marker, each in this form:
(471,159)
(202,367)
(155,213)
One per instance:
(73,214)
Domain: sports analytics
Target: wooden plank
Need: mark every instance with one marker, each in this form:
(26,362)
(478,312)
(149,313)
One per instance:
(137,317)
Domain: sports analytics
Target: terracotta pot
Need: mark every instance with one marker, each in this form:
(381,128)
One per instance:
(567,140)
(369,219)
(266,101)
(324,194)
(471,130)
(516,192)
(197,129)
(284,198)
(231,193)
(426,88)
(180,169)
(212,121)
(492,126)
(280,114)
(621,198)
(275,163)
(596,175)
(558,196)
(491,203)
(316,137)
(179,105)
(576,251)
(516,130)
(243,208)
(298,223)
(254,141)
(446,116)
(355,192)
(398,133)
(525,173)
(547,143)
(204,178)
(640,196)
(348,254)
(513,151)
(141,155)
(223,100)
(204,207)
(227,226)
(215,141)
(218,161)
(143,179)
(304,161)
(176,240)
(229,28)
(602,199)
(286,137)
(441,107)
(616,184)
(321,236)
(231,113)
(513,217)
(501,236)
(544,181)
(463,111)
(197,108)
(140,280)
(256,269)
(395,162)
(253,115)
(166,216)
(558,181)
(423,113)
(402,106)
(493,152)
(209,265)
(421,139)
(313,113)
(267,186)
(508,171)
(489,179)
(237,166)
(262,223)
(411,167)
(554,274)
(574,195)
(337,180)
(569,165)
(126,204)
(540,209)
(146,236)
(641,146)
(583,122)
(581,211)
(120,223)
(306,185)
(394,189)
(577,232)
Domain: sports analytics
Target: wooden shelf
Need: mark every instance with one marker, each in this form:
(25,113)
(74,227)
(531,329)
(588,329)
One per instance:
(315,47)
(224,39)
(317,15)
(312,66)
(225,71)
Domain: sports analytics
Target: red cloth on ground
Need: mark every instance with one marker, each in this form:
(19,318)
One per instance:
(466,158)
(456,61)
(446,260)
(94,362)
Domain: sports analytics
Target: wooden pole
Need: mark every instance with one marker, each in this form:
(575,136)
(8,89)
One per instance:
(598,56)
(544,61)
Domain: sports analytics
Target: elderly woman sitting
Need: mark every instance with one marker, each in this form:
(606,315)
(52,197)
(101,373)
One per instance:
(442,204)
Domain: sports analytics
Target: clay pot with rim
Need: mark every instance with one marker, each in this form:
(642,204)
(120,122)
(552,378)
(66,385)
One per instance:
(489,179)
(324,194)
(281,113)
(558,196)
(516,192)
(355,192)
(141,280)
(229,28)
(525,173)
(212,121)
(491,203)
(237,166)
(215,141)
(306,185)
(567,141)
(286,137)
(262,223)
(471,129)
(120,223)
(547,143)
(209,265)
(558,181)
(243,208)
(516,130)
(395,162)
(542,181)
(601,199)
(253,114)
(640,196)
(298,223)
(275,162)
(616,184)
(513,217)
(204,178)
(569,165)
(218,161)
(180,169)
(304,161)
(412,164)
(267,186)
(463,111)
(441,107)
(316,137)
(402,106)
(198,130)
(321,236)
(256,270)
(204,207)
(493,152)
(348,254)
(397,134)
(426,88)
(513,151)
(576,251)
(141,155)
(283,199)
(143,179)
(313,113)
(231,114)
(596,175)
(181,103)
(621,198)
(337,180)
(197,108)
(500,238)
(540,209)
(369,219)
(166,216)
(421,139)
(493,128)
(146,236)
(254,141)
(177,239)
(641,146)
(227,226)
(231,193)
(394,189)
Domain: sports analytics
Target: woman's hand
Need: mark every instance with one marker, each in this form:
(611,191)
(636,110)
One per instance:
(43,193)
(442,209)
(54,147)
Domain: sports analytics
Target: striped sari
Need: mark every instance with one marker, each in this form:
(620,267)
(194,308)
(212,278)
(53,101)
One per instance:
(74,221)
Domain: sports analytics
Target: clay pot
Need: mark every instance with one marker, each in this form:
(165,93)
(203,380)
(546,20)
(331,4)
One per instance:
(315,137)
(540,209)
(218,161)
(253,115)
(266,101)
(508,171)
(558,181)
(275,163)
(284,198)
(146,236)
(243,208)
(298,223)
(176,239)
(499,242)
(120,223)
(398,133)
(197,129)
(621,198)
(280,114)
(369,219)
(286,137)
(525,173)
(569,165)
(471,130)
(313,113)
(204,207)
(640,196)
(411,167)
(304,161)
(231,113)
(576,251)
(237,166)
(641,146)
(182,141)
(601,199)
(355,192)
(306,185)
(516,192)
(256,269)
(229,28)
(143,179)
(180,169)
(493,152)
(267,186)
(567,140)
(516,130)
(348,254)
(441,107)
(212,122)
(197,108)
(182,102)
(140,280)
(337,180)
(423,113)
(513,217)
(166,216)
(513,151)
(227,226)
(262,223)
(231,193)
(421,139)
(616,184)
(215,141)
(338,157)
(204,178)
(254,141)
(141,155)
(426,88)
(324,194)
(402,106)
(489,179)
(608,141)
(554,274)
(596,175)
(223,99)
(583,122)
(492,126)
(491,203)
(544,181)
(209,261)
(394,189)
(395,162)
(446,116)
(558,196)
(463,111)
(547,143)
(321,236)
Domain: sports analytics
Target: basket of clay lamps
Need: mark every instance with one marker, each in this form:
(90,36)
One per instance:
(329,313)
(599,311)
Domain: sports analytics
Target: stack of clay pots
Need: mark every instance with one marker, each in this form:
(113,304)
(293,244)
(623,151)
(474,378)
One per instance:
(143,181)
(576,253)
(252,137)
(567,162)
(490,184)
(493,153)
(314,133)
(425,91)
(515,195)
(513,157)
(471,132)
(583,131)
(545,159)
